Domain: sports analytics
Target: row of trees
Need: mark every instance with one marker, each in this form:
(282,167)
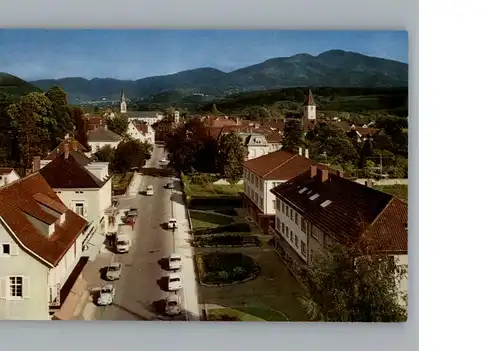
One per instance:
(191,149)
(36,123)
(129,154)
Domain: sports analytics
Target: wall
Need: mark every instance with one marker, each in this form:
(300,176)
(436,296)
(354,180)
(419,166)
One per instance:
(293,229)
(269,198)
(403,181)
(248,186)
(134,132)
(257,151)
(89,197)
(94,145)
(35,306)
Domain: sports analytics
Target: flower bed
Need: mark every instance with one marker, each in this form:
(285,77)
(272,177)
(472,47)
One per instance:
(225,268)
(225,240)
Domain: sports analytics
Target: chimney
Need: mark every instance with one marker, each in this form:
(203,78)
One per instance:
(238,122)
(66,151)
(36,163)
(313,171)
(323,175)
(300,151)
(306,153)
(74,146)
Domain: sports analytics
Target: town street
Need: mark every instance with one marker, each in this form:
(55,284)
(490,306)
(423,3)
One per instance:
(140,292)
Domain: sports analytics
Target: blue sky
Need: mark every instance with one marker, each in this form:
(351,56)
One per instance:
(132,54)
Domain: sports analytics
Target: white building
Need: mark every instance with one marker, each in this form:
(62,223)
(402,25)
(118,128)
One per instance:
(148,117)
(141,131)
(319,207)
(309,110)
(8,175)
(263,173)
(41,244)
(85,187)
(100,137)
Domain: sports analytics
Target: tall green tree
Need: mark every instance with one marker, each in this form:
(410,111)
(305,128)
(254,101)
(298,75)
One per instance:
(7,141)
(332,140)
(353,284)
(128,155)
(292,135)
(61,113)
(81,125)
(32,121)
(106,154)
(118,124)
(231,157)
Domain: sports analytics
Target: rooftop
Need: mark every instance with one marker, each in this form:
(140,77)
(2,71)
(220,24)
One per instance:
(103,134)
(279,165)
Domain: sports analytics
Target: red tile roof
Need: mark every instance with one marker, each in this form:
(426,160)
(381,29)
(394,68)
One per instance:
(279,165)
(73,145)
(354,211)
(142,127)
(64,173)
(19,200)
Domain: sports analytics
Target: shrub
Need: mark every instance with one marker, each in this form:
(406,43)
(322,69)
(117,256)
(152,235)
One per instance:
(223,275)
(219,201)
(239,227)
(226,267)
(225,239)
(224,318)
(239,271)
(202,178)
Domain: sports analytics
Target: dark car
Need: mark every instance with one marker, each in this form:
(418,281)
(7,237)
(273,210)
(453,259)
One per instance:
(170,186)
(133,212)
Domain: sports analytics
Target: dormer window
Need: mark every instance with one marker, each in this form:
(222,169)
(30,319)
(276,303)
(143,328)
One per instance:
(314,197)
(326,203)
(301,191)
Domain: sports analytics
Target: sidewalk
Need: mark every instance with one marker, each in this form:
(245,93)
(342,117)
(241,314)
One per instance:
(183,247)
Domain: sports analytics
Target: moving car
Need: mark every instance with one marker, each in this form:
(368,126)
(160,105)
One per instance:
(174,282)
(172,223)
(174,261)
(106,295)
(170,186)
(163,160)
(149,190)
(173,305)
(114,271)
(123,236)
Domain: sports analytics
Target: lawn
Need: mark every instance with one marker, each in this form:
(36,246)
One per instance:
(400,190)
(120,182)
(215,189)
(249,314)
(208,219)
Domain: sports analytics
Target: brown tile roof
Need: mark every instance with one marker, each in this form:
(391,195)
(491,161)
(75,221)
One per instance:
(5,170)
(310,99)
(73,145)
(18,199)
(67,173)
(354,209)
(367,131)
(142,127)
(279,165)
(102,134)
(50,203)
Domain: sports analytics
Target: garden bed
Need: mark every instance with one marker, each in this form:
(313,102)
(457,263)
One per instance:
(239,227)
(225,268)
(207,219)
(226,240)
(120,182)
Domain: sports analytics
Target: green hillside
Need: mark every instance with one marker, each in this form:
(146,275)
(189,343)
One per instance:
(15,86)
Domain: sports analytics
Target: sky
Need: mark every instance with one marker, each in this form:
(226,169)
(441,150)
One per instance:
(34,54)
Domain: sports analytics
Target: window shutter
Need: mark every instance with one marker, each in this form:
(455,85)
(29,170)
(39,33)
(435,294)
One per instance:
(14,250)
(26,287)
(85,210)
(3,288)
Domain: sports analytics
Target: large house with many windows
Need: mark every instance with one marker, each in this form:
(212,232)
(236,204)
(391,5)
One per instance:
(41,243)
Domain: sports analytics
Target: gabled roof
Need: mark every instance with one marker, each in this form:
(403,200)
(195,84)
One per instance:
(103,134)
(5,170)
(24,198)
(350,210)
(279,165)
(73,145)
(141,114)
(310,99)
(64,173)
(141,127)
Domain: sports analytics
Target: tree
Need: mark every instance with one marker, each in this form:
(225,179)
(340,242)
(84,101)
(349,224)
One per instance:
(147,150)
(354,284)
(31,121)
(81,125)
(128,155)
(333,141)
(106,154)
(7,142)
(292,135)
(231,157)
(118,124)
(61,113)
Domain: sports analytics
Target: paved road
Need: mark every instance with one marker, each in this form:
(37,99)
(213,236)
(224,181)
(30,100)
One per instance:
(139,294)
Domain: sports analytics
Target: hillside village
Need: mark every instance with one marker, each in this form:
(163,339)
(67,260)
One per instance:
(155,215)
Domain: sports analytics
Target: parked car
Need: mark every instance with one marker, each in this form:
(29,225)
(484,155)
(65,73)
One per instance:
(163,160)
(174,282)
(149,190)
(173,305)
(172,223)
(133,212)
(170,186)
(130,220)
(106,295)
(174,261)
(114,271)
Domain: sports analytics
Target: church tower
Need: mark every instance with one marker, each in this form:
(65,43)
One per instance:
(309,109)
(123,103)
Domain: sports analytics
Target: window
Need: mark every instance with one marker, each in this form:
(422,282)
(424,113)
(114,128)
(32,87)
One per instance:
(296,240)
(287,232)
(302,247)
(302,190)
(278,204)
(286,210)
(79,209)
(303,224)
(326,203)
(314,197)
(282,227)
(278,223)
(296,218)
(16,287)
(5,249)
(274,204)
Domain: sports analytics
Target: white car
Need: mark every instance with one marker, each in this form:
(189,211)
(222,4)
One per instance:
(106,295)
(174,282)
(149,190)
(173,305)
(114,271)
(163,160)
(174,261)
(172,223)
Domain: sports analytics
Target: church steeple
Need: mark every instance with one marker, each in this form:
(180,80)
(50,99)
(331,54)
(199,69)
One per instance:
(310,99)
(123,103)
(309,109)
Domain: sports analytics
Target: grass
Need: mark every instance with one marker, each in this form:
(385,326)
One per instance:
(120,182)
(215,189)
(206,219)
(249,314)
(400,190)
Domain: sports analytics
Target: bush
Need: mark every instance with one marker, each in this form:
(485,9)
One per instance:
(225,239)
(202,178)
(219,201)
(239,227)
(224,318)
(226,267)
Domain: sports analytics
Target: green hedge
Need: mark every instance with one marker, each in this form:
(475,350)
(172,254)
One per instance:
(239,227)
(219,201)
(225,239)
(225,267)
